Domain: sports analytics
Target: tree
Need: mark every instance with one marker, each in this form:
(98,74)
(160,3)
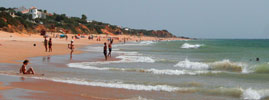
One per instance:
(2,23)
(84,17)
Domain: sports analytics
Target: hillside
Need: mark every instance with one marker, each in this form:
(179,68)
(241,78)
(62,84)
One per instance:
(14,21)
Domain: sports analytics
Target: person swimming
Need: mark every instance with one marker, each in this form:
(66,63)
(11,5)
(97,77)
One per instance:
(23,68)
(257,59)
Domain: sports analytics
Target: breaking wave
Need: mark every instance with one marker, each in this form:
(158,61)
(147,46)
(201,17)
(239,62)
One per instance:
(186,64)
(251,94)
(120,85)
(262,68)
(191,46)
(224,65)
(152,70)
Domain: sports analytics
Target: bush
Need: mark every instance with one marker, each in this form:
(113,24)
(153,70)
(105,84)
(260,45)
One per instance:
(2,23)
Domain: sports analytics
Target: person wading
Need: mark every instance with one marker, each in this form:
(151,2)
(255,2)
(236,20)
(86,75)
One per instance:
(50,45)
(46,44)
(105,50)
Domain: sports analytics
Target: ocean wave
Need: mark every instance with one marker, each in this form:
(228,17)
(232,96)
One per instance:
(186,64)
(120,85)
(227,65)
(152,70)
(191,46)
(262,68)
(142,43)
(147,42)
(224,65)
(136,59)
(251,94)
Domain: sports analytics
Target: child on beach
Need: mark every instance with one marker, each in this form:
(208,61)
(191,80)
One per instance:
(105,50)
(50,45)
(23,68)
(46,44)
(110,49)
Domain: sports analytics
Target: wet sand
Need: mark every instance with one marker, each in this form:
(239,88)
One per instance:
(63,91)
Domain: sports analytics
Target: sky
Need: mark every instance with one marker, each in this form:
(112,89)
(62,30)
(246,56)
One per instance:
(192,18)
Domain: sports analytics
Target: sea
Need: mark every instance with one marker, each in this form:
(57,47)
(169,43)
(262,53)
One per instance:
(233,69)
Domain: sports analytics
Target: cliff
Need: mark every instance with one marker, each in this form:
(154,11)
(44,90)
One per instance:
(12,21)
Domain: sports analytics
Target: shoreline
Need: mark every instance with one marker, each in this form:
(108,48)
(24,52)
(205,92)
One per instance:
(16,47)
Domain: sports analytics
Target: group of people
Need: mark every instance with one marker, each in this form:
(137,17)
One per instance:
(71,46)
(48,44)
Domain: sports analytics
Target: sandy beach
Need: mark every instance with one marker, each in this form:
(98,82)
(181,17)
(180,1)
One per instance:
(16,47)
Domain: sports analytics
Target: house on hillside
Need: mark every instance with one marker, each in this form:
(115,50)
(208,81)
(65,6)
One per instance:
(32,11)
(36,14)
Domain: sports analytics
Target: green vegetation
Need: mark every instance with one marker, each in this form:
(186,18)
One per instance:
(63,23)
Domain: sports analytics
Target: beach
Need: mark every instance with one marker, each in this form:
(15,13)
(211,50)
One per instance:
(16,47)
(150,69)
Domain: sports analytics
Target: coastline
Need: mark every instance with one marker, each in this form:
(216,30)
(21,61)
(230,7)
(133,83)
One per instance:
(15,47)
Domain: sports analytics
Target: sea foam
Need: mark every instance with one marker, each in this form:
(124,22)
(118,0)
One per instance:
(141,70)
(191,46)
(251,94)
(121,85)
(224,65)
(186,64)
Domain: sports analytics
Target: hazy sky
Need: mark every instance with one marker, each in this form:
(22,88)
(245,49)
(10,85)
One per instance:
(193,18)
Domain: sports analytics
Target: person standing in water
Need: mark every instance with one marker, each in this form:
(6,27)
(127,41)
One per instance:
(71,47)
(23,68)
(105,50)
(46,44)
(110,49)
(50,45)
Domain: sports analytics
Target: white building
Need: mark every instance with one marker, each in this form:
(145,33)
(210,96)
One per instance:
(36,14)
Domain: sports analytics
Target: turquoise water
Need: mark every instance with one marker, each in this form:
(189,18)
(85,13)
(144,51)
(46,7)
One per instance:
(208,68)
(225,68)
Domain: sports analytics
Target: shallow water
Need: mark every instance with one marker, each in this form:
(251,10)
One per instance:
(221,68)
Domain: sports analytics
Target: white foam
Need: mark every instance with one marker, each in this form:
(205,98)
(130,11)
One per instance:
(191,46)
(142,43)
(152,70)
(186,64)
(128,53)
(178,72)
(122,85)
(82,66)
(250,94)
(138,98)
(223,65)
(227,64)
(136,59)
(146,42)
